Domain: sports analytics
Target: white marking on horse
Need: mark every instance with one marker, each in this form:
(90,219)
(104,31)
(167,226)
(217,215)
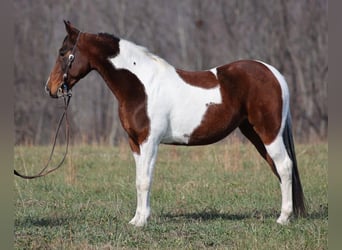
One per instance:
(214,71)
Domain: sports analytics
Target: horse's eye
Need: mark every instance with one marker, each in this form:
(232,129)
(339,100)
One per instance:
(62,52)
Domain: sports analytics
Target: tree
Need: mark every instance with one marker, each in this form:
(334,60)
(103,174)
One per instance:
(191,34)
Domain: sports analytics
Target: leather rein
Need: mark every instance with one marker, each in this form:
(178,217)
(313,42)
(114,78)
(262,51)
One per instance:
(64,92)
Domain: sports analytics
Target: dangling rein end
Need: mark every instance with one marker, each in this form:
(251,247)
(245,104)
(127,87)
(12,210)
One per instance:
(22,176)
(42,173)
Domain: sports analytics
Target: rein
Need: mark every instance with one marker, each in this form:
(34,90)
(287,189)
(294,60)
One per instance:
(43,172)
(63,91)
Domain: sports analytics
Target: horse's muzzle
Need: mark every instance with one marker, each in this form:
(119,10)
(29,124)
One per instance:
(47,90)
(63,90)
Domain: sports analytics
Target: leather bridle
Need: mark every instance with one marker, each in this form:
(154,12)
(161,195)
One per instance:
(63,88)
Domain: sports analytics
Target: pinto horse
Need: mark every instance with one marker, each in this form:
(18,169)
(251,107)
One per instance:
(159,104)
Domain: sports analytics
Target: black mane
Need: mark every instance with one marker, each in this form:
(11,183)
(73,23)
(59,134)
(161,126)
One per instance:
(108,44)
(108,36)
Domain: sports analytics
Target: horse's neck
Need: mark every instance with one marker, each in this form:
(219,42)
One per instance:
(127,72)
(121,72)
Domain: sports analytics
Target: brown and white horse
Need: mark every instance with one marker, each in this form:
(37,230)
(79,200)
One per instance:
(161,104)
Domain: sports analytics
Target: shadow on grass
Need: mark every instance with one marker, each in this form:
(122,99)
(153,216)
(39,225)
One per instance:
(43,222)
(206,215)
(214,215)
(320,213)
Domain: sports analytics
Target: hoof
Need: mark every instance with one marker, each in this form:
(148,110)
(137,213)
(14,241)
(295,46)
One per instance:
(283,220)
(138,221)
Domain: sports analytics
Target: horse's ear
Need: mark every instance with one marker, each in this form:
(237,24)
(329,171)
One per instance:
(70,29)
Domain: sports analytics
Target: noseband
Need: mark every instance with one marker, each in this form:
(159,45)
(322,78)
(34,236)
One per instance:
(64,90)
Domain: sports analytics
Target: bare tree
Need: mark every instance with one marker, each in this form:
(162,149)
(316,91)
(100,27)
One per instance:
(190,34)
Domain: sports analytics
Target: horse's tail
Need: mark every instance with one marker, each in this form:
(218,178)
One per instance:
(299,207)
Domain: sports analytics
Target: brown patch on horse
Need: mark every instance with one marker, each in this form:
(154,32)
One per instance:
(249,91)
(133,110)
(265,103)
(203,79)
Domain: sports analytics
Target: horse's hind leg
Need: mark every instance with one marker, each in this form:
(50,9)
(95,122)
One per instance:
(276,156)
(283,163)
(247,130)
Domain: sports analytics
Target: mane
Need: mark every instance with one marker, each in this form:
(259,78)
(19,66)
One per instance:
(107,44)
(107,36)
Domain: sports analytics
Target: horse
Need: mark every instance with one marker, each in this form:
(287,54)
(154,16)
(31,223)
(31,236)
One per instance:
(160,104)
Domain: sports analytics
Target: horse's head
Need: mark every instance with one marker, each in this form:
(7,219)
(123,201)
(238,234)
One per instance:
(71,65)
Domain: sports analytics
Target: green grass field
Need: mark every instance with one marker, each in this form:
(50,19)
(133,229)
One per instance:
(217,197)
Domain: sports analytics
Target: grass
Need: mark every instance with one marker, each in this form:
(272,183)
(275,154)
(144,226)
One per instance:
(217,197)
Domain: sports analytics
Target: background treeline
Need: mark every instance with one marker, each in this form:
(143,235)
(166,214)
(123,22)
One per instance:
(190,34)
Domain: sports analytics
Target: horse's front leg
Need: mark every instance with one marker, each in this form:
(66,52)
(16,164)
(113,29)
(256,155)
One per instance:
(144,173)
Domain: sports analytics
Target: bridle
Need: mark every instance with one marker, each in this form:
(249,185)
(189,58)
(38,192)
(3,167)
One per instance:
(65,92)
(63,88)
